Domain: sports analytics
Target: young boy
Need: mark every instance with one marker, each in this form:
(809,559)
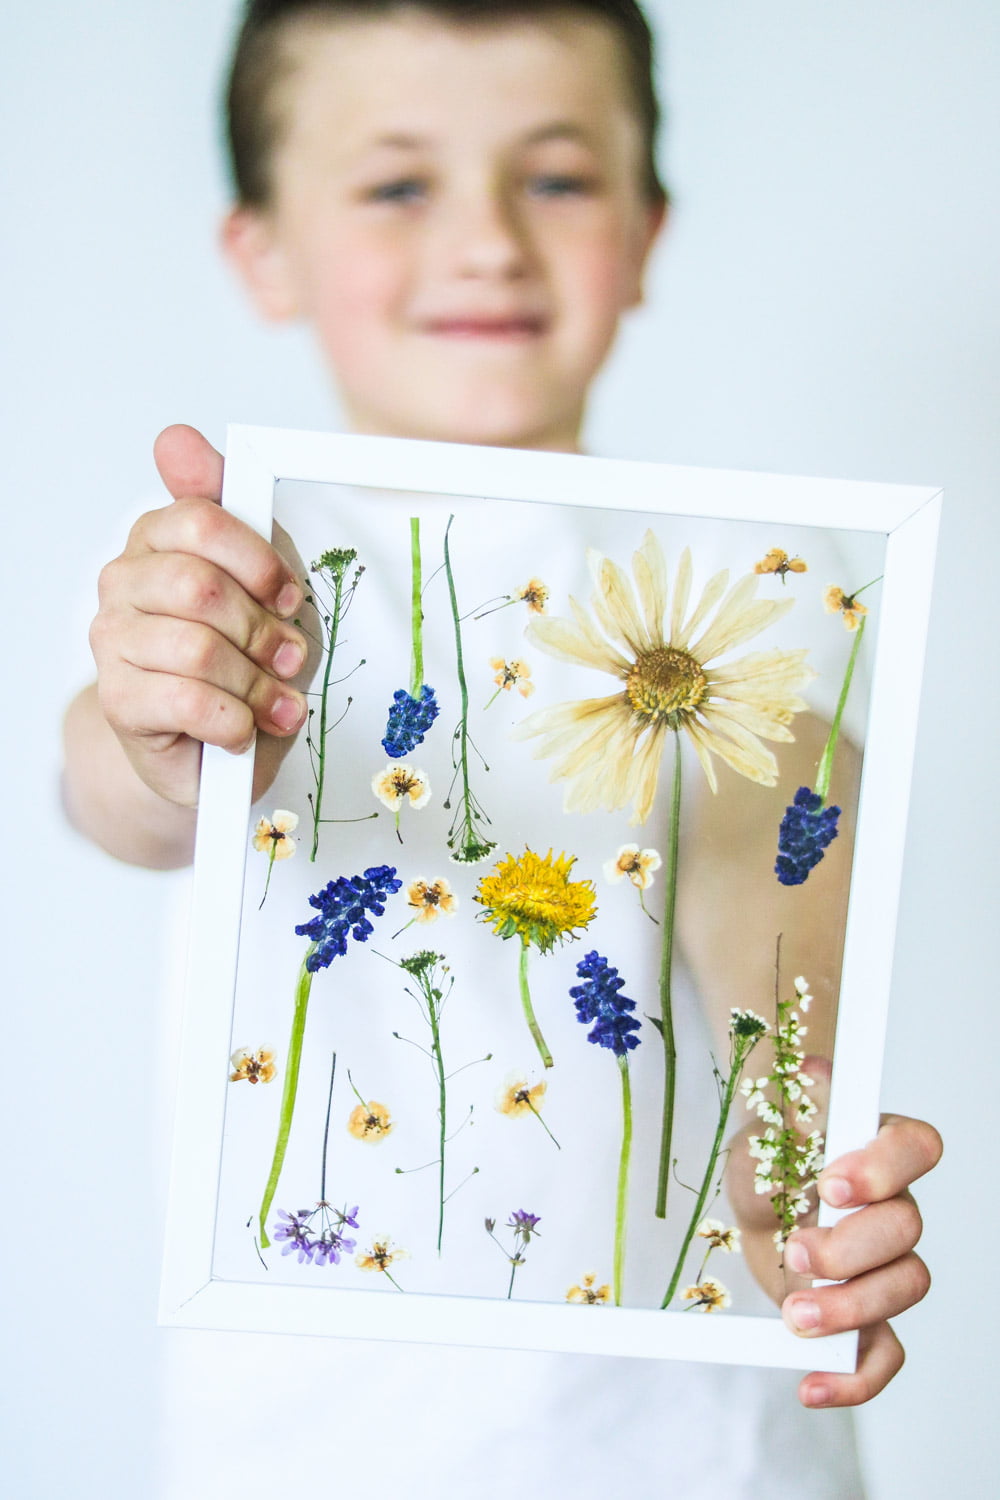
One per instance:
(461,199)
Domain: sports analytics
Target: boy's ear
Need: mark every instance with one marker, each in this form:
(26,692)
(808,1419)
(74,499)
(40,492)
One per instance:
(249,244)
(652,227)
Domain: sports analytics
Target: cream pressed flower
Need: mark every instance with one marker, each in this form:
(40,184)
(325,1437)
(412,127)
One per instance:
(836,602)
(634,863)
(778,561)
(710,1295)
(430,899)
(666,656)
(508,674)
(255,1067)
(588,1293)
(399,782)
(535,595)
(370,1122)
(381,1255)
(273,835)
(718,1236)
(519,1097)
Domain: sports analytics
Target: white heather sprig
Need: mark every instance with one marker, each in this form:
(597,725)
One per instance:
(788,1162)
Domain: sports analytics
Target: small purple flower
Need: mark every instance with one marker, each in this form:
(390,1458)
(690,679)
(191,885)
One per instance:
(598,1001)
(296,1231)
(343,905)
(806,830)
(523,1223)
(329,1246)
(409,720)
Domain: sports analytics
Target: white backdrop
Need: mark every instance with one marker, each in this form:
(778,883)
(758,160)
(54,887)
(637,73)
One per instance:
(826,303)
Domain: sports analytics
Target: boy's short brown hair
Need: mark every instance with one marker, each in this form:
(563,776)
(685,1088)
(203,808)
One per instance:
(258,64)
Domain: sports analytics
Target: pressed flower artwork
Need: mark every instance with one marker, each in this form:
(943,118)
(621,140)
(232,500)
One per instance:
(469,1035)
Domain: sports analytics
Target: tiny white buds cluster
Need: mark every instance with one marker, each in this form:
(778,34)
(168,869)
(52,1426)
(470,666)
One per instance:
(787,1164)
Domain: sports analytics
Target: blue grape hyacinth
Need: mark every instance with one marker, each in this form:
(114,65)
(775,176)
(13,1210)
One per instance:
(599,1000)
(343,905)
(409,720)
(805,833)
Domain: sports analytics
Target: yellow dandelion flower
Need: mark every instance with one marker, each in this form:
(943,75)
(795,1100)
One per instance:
(635,863)
(836,602)
(777,561)
(255,1067)
(430,899)
(273,835)
(587,1292)
(535,595)
(508,674)
(397,782)
(381,1256)
(710,1295)
(370,1122)
(519,1097)
(609,749)
(718,1236)
(534,899)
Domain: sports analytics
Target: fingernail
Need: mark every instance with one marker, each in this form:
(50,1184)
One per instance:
(287,713)
(836,1191)
(797,1257)
(288,658)
(289,599)
(804,1316)
(818,1395)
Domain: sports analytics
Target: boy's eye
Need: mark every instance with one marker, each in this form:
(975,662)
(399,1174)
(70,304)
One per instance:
(402,190)
(560,185)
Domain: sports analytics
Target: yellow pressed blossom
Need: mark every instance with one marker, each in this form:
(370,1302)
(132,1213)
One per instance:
(533,898)
(519,1097)
(718,1236)
(397,782)
(370,1122)
(430,899)
(777,561)
(609,749)
(836,602)
(589,1293)
(709,1294)
(635,863)
(381,1255)
(273,835)
(508,674)
(255,1067)
(535,595)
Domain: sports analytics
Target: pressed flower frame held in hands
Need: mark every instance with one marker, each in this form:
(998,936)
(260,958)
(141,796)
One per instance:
(494,547)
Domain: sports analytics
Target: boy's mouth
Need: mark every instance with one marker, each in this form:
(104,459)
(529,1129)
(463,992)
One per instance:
(515,329)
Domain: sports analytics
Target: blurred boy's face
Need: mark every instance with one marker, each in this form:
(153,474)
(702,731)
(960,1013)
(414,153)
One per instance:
(459,213)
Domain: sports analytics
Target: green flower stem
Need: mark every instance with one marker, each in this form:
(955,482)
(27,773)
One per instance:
(513,1273)
(825,770)
(302,991)
(621,1204)
(334,627)
(270,867)
(416,609)
(529,1014)
(435,1021)
(707,1180)
(666,1021)
(471,845)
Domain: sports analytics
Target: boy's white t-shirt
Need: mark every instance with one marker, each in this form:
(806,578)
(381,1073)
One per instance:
(249,1415)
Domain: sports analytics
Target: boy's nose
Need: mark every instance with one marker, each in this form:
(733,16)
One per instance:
(487,239)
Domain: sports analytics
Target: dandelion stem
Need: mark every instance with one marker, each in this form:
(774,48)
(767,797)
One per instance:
(333,626)
(825,770)
(621,1204)
(294,1059)
(666,1027)
(417,613)
(326,1129)
(529,1013)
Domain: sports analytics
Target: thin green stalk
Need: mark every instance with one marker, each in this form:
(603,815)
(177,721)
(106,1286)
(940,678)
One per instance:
(338,594)
(326,1128)
(666,1026)
(416,609)
(472,846)
(529,1014)
(825,770)
(706,1185)
(442,1105)
(292,1063)
(513,1273)
(621,1203)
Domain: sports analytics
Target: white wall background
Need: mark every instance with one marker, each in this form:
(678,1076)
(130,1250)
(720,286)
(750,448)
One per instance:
(826,304)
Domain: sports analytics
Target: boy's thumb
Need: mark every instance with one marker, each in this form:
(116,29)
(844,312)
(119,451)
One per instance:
(188,464)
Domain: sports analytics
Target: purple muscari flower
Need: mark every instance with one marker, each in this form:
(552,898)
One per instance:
(806,830)
(523,1223)
(343,905)
(598,1001)
(296,1232)
(409,720)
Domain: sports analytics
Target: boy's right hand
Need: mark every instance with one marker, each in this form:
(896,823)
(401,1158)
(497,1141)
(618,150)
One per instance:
(193,640)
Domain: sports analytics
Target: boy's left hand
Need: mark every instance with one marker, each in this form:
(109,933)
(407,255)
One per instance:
(869,1252)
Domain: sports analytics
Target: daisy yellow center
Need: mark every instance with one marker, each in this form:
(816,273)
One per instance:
(666,683)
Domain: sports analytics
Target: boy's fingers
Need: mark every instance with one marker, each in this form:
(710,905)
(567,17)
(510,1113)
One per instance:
(902,1151)
(860,1302)
(180,588)
(188,464)
(880,1357)
(874,1236)
(173,647)
(200,529)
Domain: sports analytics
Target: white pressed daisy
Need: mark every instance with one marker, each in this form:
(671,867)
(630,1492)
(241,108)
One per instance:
(608,750)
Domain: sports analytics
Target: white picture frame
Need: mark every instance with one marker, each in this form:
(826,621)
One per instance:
(905,520)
